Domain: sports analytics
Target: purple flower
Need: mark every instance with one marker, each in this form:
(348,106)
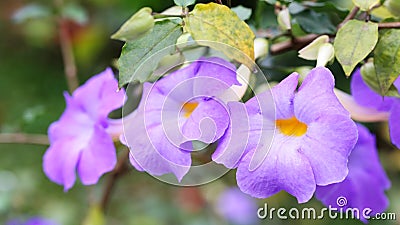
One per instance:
(182,107)
(237,207)
(31,221)
(365,185)
(79,140)
(313,138)
(366,97)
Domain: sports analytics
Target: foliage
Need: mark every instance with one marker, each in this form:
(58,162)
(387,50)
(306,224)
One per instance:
(339,34)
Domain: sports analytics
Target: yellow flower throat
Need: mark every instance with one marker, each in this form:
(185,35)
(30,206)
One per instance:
(188,108)
(291,127)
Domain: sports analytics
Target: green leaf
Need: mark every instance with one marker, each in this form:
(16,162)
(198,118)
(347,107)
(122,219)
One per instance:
(184,3)
(387,59)
(313,22)
(328,6)
(75,13)
(272,2)
(365,5)
(136,27)
(136,53)
(216,26)
(242,12)
(393,6)
(354,41)
(31,11)
(296,7)
(370,77)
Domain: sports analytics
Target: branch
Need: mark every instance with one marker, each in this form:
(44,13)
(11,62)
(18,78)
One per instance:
(294,44)
(21,138)
(350,16)
(389,25)
(120,169)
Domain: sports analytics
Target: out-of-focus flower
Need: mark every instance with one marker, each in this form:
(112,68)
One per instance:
(366,97)
(181,107)
(313,139)
(237,207)
(365,185)
(31,221)
(79,140)
(358,112)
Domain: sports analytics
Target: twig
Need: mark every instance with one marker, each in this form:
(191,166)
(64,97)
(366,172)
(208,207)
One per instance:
(389,25)
(350,16)
(293,44)
(161,16)
(66,50)
(120,169)
(300,42)
(21,138)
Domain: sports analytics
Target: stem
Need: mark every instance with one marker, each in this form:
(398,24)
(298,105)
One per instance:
(389,25)
(21,138)
(161,16)
(219,1)
(68,56)
(293,44)
(66,49)
(350,16)
(119,170)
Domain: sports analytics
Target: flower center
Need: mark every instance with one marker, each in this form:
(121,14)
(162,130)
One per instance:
(291,127)
(188,108)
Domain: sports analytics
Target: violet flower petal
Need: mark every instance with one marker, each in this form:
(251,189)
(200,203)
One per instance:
(365,96)
(366,182)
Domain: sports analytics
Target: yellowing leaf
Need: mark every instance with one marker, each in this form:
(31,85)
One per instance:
(353,42)
(136,26)
(371,78)
(387,59)
(365,5)
(217,26)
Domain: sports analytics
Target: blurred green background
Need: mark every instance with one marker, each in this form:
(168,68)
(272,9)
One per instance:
(31,85)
